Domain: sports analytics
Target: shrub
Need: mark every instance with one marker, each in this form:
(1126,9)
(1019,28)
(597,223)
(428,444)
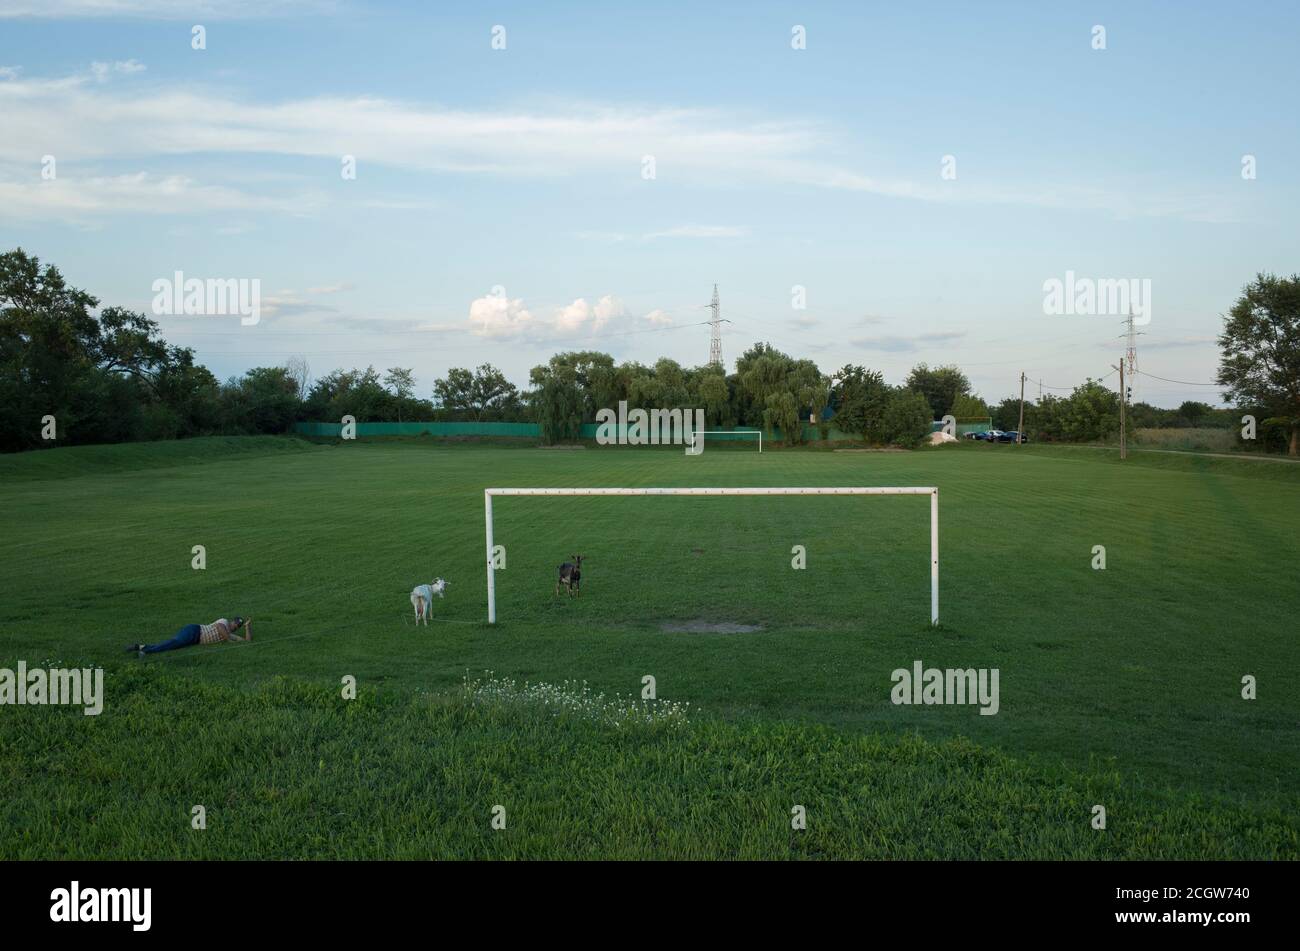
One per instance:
(906,420)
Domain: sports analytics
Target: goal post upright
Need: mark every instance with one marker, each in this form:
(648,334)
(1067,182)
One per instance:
(491,570)
(931,491)
(730,432)
(934,557)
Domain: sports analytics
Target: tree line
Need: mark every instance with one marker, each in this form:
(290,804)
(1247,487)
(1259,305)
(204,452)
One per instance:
(106,375)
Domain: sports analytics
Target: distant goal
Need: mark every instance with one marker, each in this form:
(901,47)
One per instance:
(727,435)
(931,491)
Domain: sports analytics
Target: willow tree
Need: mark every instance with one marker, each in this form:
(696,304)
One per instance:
(557,400)
(714,394)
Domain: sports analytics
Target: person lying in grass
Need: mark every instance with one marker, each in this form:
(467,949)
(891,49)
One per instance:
(217,632)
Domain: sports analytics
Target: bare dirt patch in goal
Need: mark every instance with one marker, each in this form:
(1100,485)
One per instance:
(700,626)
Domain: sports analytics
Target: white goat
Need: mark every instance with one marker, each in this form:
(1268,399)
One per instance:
(422,598)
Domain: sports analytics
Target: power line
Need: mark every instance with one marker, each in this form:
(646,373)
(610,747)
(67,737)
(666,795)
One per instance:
(942,345)
(1183,382)
(1047,386)
(381,332)
(362,350)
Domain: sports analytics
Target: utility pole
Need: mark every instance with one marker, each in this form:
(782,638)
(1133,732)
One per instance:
(1123,442)
(1020,427)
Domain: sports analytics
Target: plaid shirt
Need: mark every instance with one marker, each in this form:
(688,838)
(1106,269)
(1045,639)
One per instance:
(214,633)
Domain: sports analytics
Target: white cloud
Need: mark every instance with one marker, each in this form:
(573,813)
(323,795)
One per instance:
(893,344)
(72,197)
(160,9)
(499,317)
(570,318)
(699,231)
(583,316)
(103,121)
(680,231)
(76,116)
(659,318)
(101,71)
(607,308)
(287,304)
(502,317)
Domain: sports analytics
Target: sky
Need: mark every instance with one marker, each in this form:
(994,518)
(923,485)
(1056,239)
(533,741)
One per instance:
(877,184)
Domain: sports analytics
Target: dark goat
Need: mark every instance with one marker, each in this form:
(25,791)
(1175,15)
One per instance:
(571,576)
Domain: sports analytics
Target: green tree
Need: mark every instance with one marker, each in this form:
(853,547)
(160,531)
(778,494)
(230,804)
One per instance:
(401,383)
(671,380)
(859,397)
(101,377)
(782,412)
(714,394)
(482,395)
(1260,351)
(1193,412)
(1006,415)
(760,370)
(455,391)
(356,393)
(1050,417)
(263,400)
(969,406)
(1091,413)
(558,402)
(763,377)
(940,386)
(592,375)
(191,400)
(812,391)
(1146,416)
(906,420)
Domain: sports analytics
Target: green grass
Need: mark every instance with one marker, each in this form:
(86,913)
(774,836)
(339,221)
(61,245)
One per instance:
(92,460)
(1199,438)
(1119,686)
(291,769)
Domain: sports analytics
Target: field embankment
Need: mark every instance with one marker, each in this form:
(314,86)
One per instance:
(291,770)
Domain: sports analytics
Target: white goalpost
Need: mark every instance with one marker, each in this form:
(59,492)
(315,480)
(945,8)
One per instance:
(931,491)
(728,432)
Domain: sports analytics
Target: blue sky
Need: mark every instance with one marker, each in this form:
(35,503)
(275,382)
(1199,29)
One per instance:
(500,212)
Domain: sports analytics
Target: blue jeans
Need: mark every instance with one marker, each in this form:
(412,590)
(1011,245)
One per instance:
(187,636)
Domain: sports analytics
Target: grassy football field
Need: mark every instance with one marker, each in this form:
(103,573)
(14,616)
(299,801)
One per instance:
(1118,687)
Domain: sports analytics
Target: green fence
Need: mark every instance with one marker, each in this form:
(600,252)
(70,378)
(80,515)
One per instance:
(516,430)
(523,430)
(980,426)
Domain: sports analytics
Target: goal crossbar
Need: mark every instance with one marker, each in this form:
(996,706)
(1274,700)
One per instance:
(931,491)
